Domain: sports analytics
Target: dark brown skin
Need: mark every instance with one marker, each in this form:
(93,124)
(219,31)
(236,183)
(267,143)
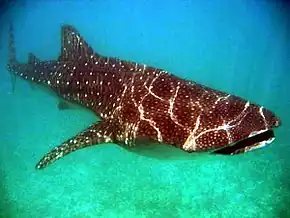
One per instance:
(136,102)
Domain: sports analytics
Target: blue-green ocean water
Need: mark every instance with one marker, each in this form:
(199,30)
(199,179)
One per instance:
(241,47)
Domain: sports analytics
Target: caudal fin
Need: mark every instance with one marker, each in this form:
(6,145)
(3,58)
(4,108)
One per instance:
(12,56)
(12,52)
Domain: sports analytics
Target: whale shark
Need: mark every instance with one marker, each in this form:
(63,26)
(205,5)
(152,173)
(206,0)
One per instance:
(137,103)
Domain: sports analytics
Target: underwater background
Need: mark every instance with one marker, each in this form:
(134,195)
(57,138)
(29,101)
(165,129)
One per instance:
(240,47)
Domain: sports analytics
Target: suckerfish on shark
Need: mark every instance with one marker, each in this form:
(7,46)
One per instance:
(137,102)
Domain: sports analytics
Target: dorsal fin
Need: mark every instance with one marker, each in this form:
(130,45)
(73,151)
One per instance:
(73,46)
(32,59)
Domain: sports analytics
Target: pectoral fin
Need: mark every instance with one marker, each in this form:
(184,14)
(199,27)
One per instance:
(95,134)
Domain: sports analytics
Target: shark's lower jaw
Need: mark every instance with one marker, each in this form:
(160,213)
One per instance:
(254,141)
(259,145)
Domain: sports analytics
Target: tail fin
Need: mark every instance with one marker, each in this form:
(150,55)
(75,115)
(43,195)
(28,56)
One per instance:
(12,56)
(12,52)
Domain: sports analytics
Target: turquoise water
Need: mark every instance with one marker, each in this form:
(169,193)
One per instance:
(240,47)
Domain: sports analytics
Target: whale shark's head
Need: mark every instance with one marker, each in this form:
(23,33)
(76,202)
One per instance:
(254,130)
(231,125)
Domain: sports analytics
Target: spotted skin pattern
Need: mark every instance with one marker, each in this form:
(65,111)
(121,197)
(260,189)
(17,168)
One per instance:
(137,102)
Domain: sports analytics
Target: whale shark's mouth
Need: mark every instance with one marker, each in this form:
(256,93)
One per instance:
(254,141)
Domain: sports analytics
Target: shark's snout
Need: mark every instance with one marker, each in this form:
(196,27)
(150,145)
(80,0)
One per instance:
(271,119)
(254,130)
